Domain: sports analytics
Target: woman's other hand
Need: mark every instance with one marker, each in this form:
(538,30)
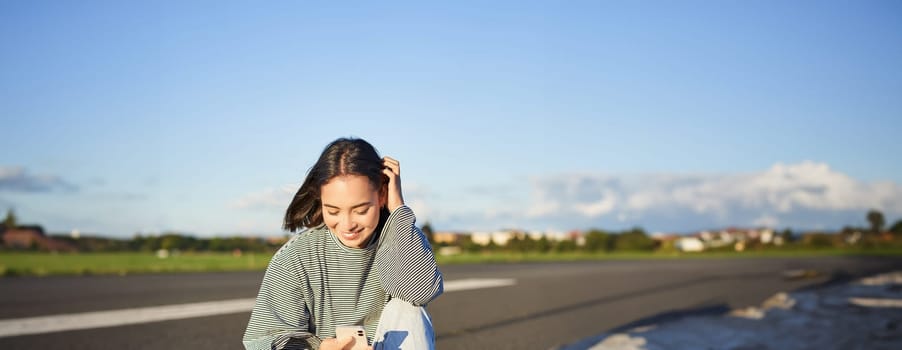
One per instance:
(392,169)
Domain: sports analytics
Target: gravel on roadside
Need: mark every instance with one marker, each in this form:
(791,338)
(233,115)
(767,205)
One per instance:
(862,314)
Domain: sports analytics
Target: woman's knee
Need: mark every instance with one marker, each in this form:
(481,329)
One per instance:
(398,310)
(404,326)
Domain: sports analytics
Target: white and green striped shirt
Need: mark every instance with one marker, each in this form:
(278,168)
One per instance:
(315,283)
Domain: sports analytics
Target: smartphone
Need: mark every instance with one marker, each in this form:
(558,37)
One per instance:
(356,332)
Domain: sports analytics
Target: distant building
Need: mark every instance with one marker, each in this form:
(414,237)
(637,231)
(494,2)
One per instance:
(448,238)
(689,244)
(29,237)
(739,238)
(500,238)
(557,236)
(481,238)
(578,237)
(536,235)
(449,250)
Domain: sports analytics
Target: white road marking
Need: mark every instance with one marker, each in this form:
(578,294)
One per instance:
(876,302)
(115,318)
(477,283)
(97,319)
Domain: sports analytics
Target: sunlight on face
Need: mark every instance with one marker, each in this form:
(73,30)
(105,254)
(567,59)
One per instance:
(351,209)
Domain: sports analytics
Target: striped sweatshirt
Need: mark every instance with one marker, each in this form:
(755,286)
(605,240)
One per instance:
(314,283)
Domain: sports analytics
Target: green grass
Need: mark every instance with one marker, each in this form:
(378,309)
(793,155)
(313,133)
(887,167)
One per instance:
(43,264)
(508,257)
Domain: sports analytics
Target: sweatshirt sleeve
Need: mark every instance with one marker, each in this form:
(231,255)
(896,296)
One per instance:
(405,262)
(279,319)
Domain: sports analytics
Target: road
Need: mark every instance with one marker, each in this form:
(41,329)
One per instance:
(549,305)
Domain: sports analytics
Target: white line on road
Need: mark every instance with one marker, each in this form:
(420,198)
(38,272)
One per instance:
(97,319)
(113,318)
(477,283)
(876,302)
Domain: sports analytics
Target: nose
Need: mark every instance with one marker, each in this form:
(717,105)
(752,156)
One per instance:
(345,223)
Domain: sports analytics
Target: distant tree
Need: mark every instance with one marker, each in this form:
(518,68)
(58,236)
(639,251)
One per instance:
(10,222)
(875,217)
(597,240)
(217,244)
(849,229)
(787,236)
(896,229)
(430,235)
(513,244)
(150,243)
(466,243)
(171,241)
(543,245)
(136,242)
(567,245)
(492,246)
(634,240)
(527,244)
(520,242)
(818,240)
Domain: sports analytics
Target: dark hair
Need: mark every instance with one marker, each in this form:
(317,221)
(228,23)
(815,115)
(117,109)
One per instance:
(345,156)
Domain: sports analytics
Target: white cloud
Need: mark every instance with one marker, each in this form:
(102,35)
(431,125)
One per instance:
(803,194)
(269,198)
(424,212)
(766,220)
(543,208)
(17,179)
(420,199)
(604,205)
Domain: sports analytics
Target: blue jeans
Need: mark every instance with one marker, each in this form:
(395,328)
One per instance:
(404,326)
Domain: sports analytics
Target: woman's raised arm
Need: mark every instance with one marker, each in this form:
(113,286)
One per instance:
(406,265)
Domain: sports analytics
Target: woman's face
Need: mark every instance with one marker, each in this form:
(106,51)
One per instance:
(351,209)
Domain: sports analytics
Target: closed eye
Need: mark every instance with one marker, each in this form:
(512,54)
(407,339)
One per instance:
(335,209)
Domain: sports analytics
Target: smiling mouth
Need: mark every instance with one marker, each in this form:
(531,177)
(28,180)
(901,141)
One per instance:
(351,235)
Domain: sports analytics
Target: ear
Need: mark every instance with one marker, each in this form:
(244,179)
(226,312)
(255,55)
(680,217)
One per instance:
(383,195)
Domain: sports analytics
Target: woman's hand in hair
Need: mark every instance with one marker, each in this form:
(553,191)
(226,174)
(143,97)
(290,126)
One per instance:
(392,169)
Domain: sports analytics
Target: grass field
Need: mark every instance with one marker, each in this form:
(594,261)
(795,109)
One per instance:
(506,257)
(44,264)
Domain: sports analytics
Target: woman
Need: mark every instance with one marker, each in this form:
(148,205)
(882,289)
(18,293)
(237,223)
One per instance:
(360,261)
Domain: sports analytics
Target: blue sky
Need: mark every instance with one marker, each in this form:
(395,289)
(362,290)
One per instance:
(203,117)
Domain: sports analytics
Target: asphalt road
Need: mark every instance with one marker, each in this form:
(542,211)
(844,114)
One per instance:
(550,304)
